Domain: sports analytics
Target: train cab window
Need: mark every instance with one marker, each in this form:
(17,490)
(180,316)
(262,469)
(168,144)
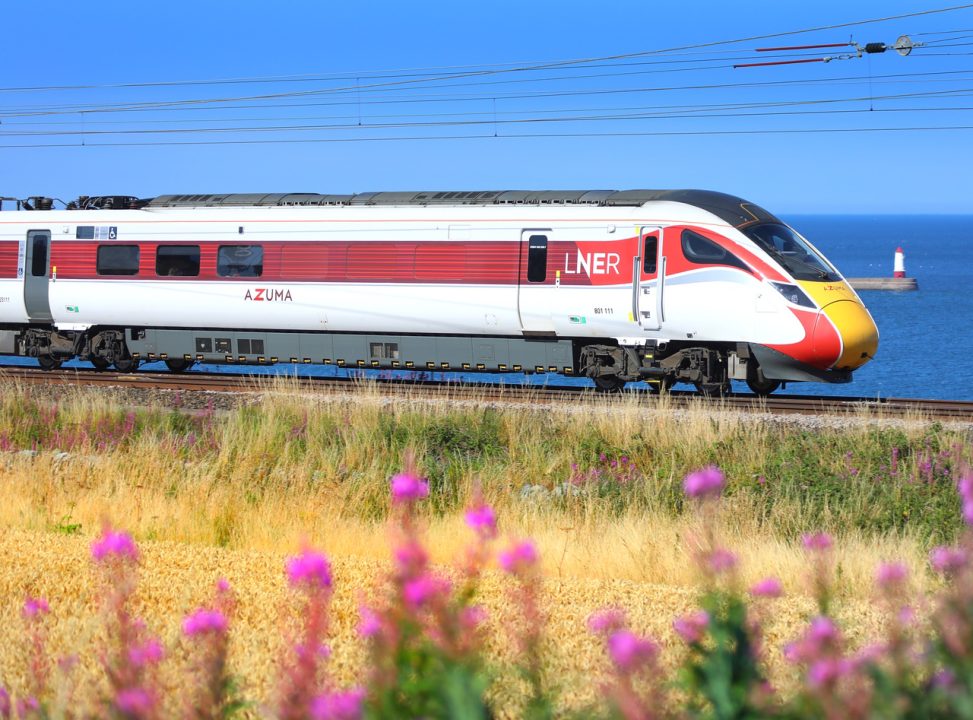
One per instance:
(650,254)
(537,258)
(703,251)
(177,260)
(240,261)
(118,260)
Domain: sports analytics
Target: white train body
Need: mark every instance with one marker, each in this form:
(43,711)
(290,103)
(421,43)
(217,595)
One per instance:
(650,284)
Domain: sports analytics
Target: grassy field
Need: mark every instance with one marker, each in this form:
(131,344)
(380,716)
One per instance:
(598,488)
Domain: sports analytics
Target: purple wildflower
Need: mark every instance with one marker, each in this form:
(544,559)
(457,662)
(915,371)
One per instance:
(310,569)
(134,702)
(629,652)
(483,521)
(946,559)
(204,621)
(607,621)
(407,488)
(114,544)
(704,483)
(34,607)
(767,588)
(149,653)
(965,487)
(827,671)
(691,627)
(419,591)
(369,624)
(28,707)
(891,575)
(345,705)
(472,616)
(518,558)
(721,561)
(818,541)
(5,706)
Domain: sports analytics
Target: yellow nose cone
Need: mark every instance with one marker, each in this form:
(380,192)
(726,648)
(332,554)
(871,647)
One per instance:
(859,335)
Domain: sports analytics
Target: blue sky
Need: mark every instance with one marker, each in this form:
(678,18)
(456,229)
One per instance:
(429,73)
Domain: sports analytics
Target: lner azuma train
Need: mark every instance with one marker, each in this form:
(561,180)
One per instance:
(661,285)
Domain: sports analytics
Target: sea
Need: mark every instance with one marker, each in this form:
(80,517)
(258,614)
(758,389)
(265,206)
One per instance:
(926,336)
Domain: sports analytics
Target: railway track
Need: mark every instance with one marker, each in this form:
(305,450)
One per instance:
(242,382)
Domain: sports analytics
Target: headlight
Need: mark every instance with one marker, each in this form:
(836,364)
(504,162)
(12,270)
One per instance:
(793,294)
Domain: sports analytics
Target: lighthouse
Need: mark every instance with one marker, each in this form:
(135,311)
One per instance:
(898,266)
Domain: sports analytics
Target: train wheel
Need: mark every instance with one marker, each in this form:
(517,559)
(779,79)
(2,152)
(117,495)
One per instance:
(178,365)
(712,389)
(100,364)
(608,383)
(47,362)
(127,364)
(759,384)
(764,387)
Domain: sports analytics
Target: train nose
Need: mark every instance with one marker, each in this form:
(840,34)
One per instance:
(859,335)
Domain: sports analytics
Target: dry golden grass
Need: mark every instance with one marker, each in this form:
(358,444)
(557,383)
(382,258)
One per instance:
(177,577)
(239,510)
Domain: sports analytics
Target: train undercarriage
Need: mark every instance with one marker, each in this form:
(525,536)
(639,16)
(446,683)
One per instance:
(709,368)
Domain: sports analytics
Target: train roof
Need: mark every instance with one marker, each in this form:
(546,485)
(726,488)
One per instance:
(733,210)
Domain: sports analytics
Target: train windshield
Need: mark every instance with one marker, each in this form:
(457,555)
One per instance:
(789,249)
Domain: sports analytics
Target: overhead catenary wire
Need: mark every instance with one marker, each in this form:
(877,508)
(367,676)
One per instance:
(467,71)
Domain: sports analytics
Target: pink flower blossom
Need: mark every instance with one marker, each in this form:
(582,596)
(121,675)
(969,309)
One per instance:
(817,542)
(134,702)
(823,630)
(5,706)
(114,544)
(369,623)
(472,616)
(310,569)
(704,483)
(223,585)
(607,621)
(768,588)
(629,652)
(34,607)
(965,487)
(827,671)
(518,558)
(483,520)
(946,559)
(889,576)
(407,488)
(28,707)
(148,653)
(204,621)
(419,591)
(410,557)
(721,561)
(345,705)
(691,627)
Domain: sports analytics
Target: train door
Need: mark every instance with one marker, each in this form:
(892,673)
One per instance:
(535,283)
(37,266)
(648,279)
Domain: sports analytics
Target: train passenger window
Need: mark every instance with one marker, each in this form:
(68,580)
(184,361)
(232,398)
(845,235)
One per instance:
(650,254)
(240,261)
(703,251)
(118,260)
(537,258)
(177,260)
(38,261)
